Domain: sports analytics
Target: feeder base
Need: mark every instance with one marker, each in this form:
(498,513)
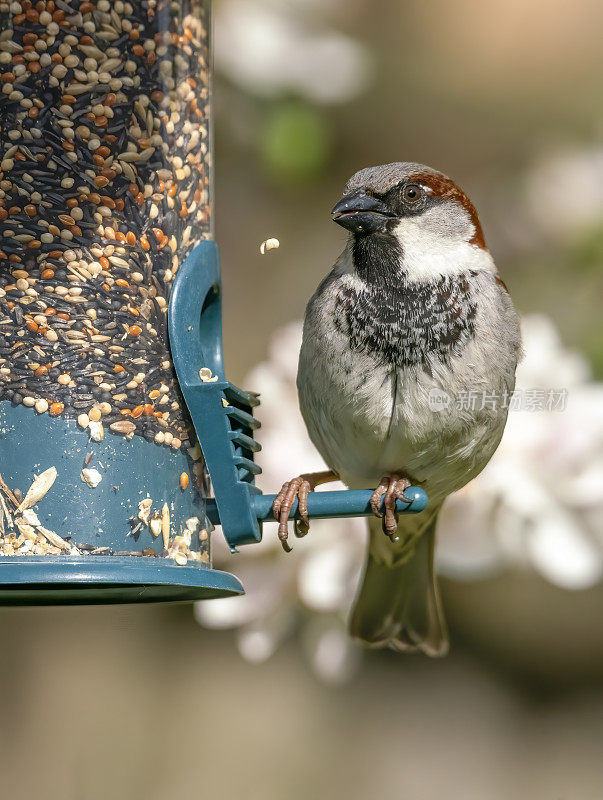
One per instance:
(64,580)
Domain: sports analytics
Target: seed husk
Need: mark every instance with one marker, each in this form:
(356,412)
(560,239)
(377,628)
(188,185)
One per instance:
(97,432)
(144,510)
(124,427)
(165,525)
(54,538)
(38,489)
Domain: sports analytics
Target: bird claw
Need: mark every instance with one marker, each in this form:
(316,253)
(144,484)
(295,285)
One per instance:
(391,488)
(295,488)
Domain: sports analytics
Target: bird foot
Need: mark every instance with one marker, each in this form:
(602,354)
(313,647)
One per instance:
(391,488)
(297,488)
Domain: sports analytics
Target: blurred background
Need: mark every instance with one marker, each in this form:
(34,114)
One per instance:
(265,697)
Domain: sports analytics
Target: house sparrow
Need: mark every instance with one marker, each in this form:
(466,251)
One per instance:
(412,318)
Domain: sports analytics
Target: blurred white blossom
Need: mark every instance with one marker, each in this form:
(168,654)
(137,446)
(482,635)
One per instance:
(539,502)
(537,505)
(565,191)
(271,49)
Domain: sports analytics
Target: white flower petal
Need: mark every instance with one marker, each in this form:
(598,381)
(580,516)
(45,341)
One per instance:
(265,588)
(328,577)
(568,173)
(335,658)
(256,646)
(564,554)
(269,51)
(260,640)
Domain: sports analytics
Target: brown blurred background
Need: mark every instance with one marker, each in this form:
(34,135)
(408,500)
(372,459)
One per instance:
(141,702)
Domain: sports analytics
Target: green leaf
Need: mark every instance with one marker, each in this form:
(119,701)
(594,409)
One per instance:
(295,143)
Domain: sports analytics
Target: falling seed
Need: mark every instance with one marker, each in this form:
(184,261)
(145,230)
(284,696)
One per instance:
(38,489)
(165,525)
(155,526)
(269,244)
(184,481)
(91,477)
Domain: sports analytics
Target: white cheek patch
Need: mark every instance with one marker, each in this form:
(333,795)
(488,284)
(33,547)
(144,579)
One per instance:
(435,249)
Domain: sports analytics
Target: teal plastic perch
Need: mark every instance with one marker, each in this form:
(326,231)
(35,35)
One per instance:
(324,505)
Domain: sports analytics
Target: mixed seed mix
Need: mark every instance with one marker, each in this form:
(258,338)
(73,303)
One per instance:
(104,190)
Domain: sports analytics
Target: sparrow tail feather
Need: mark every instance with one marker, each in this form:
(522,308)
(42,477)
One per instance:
(399,605)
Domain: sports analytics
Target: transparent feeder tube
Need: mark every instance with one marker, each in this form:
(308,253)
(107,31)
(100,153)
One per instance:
(105,188)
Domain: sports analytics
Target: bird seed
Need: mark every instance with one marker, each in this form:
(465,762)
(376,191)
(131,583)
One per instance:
(105,166)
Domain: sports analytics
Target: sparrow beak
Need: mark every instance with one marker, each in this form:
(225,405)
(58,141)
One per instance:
(361,213)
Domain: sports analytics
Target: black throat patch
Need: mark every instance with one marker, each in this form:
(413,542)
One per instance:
(403,323)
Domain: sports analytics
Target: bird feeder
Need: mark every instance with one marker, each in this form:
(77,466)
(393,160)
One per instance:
(114,404)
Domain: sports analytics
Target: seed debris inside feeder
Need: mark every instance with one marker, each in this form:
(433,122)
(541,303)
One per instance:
(165,525)
(97,432)
(33,538)
(144,510)
(91,477)
(207,376)
(54,539)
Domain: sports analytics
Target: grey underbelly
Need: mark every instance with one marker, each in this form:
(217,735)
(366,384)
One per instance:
(369,420)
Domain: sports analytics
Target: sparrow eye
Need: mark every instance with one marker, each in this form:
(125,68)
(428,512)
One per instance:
(411,193)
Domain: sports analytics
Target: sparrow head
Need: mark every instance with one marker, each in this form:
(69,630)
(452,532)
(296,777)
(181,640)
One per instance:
(411,202)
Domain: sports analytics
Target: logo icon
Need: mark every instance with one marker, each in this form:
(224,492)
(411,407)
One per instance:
(438,399)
